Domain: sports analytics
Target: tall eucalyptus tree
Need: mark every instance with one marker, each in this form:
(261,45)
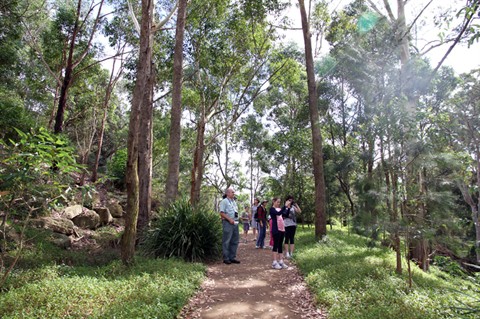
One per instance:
(229,55)
(317,148)
(144,72)
(171,187)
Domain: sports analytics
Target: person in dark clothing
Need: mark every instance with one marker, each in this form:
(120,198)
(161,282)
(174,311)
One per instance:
(278,231)
(262,224)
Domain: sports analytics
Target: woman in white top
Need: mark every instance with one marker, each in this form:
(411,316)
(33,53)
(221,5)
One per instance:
(291,227)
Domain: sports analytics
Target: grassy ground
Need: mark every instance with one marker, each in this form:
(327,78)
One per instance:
(55,283)
(150,289)
(354,281)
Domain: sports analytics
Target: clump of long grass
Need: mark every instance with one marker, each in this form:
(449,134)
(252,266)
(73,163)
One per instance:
(192,233)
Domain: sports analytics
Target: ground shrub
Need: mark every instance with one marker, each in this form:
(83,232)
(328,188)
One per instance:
(448,265)
(184,231)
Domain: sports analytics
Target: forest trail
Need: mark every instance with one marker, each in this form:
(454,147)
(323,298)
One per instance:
(252,289)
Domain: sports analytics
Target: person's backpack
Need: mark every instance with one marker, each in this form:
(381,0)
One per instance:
(255,216)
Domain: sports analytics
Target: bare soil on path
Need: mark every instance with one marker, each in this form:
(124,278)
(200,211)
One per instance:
(252,289)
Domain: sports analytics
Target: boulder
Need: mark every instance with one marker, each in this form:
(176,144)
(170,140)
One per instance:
(58,225)
(115,209)
(61,240)
(119,222)
(72,211)
(105,216)
(88,219)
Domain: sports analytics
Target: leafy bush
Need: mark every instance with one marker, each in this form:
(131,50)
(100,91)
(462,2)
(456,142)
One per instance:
(184,231)
(14,114)
(35,169)
(117,167)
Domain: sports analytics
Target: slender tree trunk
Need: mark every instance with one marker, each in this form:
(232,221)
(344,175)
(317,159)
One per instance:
(196,178)
(171,188)
(419,247)
(145,153)
(87,150)
(252,193)
(320,221)
(423,210)
(106,102)
(392,203)
(393,171)
(476,212)
(67,79)
(62,101)
(132,180)
(100,142)
(55,101)
(227,178)
(200,171)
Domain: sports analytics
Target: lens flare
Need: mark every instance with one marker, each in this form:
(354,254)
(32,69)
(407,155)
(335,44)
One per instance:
(367,21)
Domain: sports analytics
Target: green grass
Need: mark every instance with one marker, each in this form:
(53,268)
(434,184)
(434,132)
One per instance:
(152,288)
(354,281)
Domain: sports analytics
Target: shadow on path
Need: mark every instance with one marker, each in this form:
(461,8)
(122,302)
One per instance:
(252,289)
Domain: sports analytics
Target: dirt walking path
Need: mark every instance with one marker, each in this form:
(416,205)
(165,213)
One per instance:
(252,289)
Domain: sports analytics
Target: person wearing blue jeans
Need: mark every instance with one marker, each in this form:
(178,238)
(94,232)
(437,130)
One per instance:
(262,225)
(230,238)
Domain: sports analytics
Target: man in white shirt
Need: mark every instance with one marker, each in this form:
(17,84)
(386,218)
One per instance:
(229,214)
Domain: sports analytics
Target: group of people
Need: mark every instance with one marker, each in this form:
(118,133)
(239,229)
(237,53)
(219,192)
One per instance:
(280,219)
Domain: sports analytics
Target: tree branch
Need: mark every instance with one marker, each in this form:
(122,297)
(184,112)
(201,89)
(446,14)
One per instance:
(164,21)
(468,20)
(134,18)
(85,52)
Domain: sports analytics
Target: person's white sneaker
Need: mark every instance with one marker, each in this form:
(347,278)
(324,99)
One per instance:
(276,265)
(287,255)
(282,265)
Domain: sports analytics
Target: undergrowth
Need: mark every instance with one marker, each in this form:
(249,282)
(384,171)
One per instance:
(354,281)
